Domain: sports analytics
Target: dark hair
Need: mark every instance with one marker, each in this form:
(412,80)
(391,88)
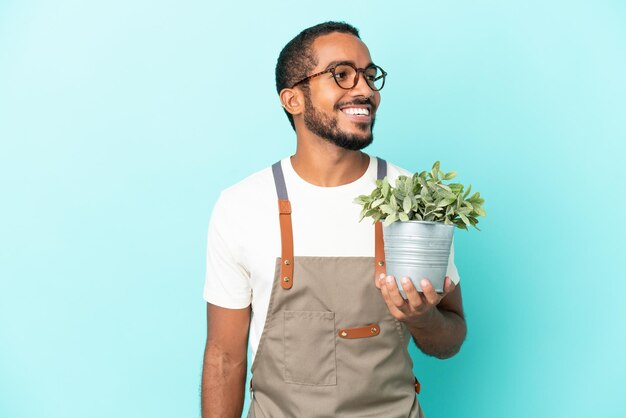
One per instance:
(297,59)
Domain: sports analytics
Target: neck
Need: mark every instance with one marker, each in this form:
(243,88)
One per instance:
(321,163)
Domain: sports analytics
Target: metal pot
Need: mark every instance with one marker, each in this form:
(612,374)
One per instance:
(418,249)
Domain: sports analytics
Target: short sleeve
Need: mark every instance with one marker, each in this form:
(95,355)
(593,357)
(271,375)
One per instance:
(227,282)
(452,271)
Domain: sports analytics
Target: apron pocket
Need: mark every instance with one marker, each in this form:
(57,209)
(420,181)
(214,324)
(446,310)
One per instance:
(310,348)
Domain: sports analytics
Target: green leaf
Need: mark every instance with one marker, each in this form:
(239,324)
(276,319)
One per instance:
(464,218)
(450,175)
(446,201)
(467,192)
(385,187)
(456,188)
(371,212)
(390,219)
(407,204)
(475,197)
(434,210)
(360,200)
(399,184)
(416,179)
(378,202)
(393,202)
(408,186)
(362,215)
(480,211)
(447,195)
(435,169)
(387,209)
(403,217)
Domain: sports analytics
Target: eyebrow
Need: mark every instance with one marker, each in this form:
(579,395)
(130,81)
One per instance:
(333,63)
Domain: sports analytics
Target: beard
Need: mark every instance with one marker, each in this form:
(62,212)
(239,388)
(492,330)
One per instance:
(326,127)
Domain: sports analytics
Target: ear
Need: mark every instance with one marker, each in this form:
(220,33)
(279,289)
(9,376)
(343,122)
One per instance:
(292,100)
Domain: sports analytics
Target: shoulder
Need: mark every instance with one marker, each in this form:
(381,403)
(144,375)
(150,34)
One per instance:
(249,202)
(249,191)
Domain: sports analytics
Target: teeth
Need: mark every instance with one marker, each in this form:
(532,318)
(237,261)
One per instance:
(357,111)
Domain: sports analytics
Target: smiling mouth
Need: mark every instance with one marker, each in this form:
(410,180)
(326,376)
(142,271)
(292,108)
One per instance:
(359,111)
(361,114)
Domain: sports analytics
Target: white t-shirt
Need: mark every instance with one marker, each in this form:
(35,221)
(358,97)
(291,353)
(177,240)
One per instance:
(244,235)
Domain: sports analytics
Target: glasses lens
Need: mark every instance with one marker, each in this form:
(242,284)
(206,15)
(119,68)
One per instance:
(375,77)
(344,76)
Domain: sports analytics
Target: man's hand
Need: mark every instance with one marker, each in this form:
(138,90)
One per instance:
(435,320)
(419,308)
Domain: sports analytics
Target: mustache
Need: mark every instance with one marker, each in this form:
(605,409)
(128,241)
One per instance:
(364,101)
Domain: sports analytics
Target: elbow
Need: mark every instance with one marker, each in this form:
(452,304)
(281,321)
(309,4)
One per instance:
(459,338)
(448,353)
(450,346)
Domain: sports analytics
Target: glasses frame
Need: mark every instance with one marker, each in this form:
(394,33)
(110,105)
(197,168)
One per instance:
(332,69)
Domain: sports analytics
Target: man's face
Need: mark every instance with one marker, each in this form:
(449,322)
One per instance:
(331,112)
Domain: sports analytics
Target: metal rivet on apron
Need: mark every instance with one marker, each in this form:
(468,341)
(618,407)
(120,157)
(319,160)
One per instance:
(381,263)
(287,262)
(286,279)
(374,330)
(344,334)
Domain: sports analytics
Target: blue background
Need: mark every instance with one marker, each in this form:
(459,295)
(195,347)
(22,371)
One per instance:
(121,121)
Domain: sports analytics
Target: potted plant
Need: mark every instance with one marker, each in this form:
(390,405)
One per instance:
(419,215)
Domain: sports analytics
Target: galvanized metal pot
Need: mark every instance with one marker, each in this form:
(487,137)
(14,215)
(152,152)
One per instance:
(418,249)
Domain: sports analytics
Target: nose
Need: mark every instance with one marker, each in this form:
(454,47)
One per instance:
(362,88)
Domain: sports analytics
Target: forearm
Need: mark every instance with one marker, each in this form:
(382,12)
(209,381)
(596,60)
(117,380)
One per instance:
(223,385)
(441,335)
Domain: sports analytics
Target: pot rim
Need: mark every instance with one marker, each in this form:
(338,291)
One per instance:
(421,222)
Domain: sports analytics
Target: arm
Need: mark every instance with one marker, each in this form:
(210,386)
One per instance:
(225,362)
(435,321)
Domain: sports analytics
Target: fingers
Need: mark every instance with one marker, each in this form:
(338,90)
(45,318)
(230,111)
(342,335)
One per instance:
(429,292)
(413,296)
(391,305)
(448,285)
(418,304)
(379,280)
(394,294)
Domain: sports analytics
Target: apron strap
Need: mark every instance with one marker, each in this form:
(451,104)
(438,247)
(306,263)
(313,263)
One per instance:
(286,231)
(279,181)
(382,168)
(379,243)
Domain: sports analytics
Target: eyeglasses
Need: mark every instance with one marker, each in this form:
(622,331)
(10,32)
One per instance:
(346,76)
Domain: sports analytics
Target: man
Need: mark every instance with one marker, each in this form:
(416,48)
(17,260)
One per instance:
(328,336)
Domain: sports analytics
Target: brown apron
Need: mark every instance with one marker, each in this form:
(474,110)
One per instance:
(330,347)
